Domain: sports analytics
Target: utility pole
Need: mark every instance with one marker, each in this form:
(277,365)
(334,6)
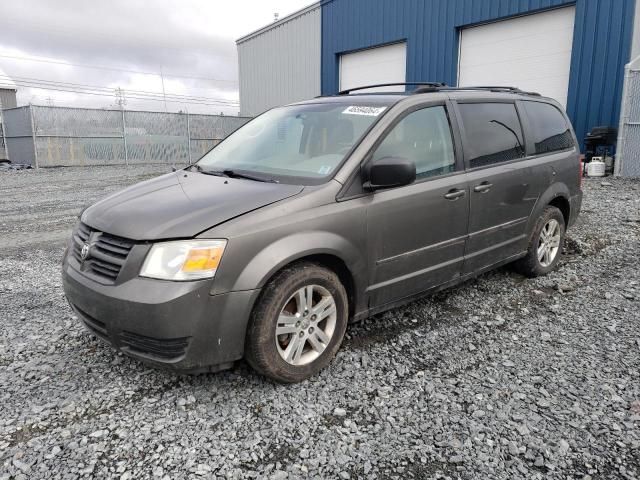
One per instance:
(164,95)
(121,99)
(4,137)
(189,135)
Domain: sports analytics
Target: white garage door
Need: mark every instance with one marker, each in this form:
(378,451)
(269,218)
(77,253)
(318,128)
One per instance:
(374,66)
(531,52)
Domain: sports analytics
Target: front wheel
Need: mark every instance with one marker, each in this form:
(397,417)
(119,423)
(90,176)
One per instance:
(298,324)
(545,245)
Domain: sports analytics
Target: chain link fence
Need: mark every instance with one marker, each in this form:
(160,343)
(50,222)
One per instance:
(58,136)
(628,145)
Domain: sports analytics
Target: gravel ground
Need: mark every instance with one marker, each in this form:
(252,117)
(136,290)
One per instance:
(502,377)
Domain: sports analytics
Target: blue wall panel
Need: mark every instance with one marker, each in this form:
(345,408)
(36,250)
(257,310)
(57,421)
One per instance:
(601,43)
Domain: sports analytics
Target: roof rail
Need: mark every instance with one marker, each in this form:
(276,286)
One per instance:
(489,88)
(403,84)
(430,87)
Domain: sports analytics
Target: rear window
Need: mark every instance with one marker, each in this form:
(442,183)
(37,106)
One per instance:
(493,133)
(551,131)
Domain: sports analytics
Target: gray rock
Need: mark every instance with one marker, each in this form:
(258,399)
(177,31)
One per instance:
(513,448)
(22,466)
(428,387)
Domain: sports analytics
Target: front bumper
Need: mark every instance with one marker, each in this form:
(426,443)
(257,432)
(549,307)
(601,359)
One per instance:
(172,324)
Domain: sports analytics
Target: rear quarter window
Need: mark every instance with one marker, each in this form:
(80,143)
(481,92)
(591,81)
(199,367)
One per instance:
(550,130)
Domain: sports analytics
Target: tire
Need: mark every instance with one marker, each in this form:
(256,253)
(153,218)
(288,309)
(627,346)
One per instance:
(282,306)
(535,264)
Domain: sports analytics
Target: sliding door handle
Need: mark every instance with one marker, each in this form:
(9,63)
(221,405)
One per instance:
(454,194)
(483,187)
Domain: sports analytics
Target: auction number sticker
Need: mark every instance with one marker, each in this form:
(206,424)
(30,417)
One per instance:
(364,110)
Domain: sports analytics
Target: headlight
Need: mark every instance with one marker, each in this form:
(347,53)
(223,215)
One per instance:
(183,260)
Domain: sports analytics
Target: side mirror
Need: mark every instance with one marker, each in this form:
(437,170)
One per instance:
(387,172)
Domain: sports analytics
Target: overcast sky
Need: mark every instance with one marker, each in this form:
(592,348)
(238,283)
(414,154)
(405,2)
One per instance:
(136,39)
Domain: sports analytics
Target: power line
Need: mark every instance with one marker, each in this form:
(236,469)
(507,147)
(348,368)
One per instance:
(101,67)
(138,97)
(102,88)
(157,98)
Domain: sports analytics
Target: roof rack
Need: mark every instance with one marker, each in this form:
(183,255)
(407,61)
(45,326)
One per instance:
(488,88)
(403,84)
(430,87)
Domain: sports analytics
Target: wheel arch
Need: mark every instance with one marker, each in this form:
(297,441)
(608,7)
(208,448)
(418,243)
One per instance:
(556,195)
(562,203)
(337,266)
(323,248)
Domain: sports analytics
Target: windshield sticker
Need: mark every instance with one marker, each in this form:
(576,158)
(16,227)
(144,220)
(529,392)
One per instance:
(324,169)
(363,110)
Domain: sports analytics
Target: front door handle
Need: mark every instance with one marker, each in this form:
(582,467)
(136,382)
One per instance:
(454,194)
(483,187)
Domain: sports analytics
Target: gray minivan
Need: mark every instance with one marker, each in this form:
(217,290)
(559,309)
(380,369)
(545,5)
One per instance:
(322,212)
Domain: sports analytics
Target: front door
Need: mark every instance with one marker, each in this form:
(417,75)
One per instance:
(417,233)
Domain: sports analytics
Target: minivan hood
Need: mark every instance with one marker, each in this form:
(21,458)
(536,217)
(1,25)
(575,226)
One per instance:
(180,205)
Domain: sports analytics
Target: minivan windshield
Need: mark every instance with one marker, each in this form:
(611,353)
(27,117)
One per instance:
(294,144)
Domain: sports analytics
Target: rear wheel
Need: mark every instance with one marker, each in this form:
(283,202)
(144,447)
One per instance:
(545,245)
(298,323)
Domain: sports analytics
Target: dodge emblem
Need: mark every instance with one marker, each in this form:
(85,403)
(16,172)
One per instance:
(84,253)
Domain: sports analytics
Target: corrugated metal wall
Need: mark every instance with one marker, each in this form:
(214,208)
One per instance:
(8,98)
(280,64)
(19,135)
(601,43)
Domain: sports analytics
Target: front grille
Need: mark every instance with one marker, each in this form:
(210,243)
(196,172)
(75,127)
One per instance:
(107,253)
(164,348)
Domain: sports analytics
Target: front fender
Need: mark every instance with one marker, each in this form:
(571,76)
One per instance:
(286,250)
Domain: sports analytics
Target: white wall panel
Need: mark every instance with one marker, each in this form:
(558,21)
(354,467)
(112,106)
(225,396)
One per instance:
(386,64)
(280,63)
(532,52)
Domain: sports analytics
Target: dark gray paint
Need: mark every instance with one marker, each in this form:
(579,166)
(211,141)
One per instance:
(184,205)
(394,244)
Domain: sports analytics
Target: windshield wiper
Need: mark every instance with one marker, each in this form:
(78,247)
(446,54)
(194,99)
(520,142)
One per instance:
(215,173)
(248,176)
(233,174)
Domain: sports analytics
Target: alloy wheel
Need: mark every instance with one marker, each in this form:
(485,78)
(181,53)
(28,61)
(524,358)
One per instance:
(549,243)
(306,325)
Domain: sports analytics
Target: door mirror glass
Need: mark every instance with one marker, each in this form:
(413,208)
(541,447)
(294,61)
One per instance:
(387,172)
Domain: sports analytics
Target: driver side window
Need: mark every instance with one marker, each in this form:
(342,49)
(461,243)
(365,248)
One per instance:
(424,137)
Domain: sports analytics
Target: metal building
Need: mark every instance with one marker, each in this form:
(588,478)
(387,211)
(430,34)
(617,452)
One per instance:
(7,100)
(8,97)
(280,63)
(572,50)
